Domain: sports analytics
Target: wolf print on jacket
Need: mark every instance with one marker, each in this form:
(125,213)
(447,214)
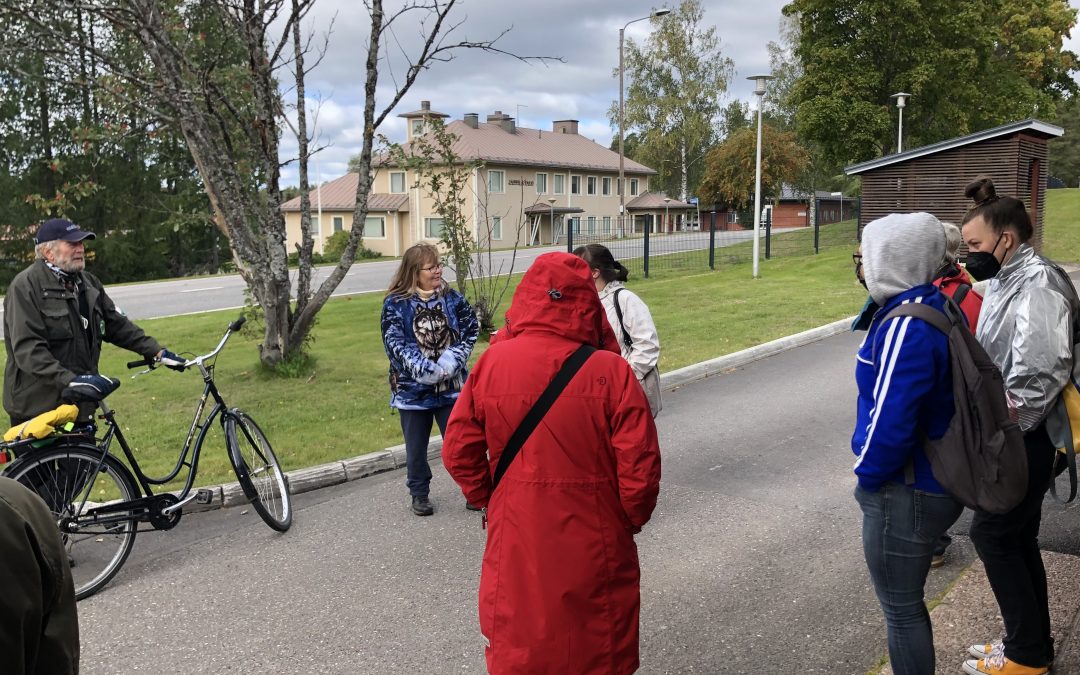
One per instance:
(422,341)
(432,330)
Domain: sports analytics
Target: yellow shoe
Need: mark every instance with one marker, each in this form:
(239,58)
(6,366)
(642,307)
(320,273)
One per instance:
(997,664)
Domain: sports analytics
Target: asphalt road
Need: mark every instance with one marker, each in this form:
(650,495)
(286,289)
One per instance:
(752,562)
(202,294)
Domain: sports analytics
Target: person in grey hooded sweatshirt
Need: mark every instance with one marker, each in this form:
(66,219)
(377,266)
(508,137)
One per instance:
(905,391)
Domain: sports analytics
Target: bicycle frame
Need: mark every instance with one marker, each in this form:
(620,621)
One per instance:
(198,424)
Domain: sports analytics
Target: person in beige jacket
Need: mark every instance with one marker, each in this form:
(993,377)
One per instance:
(629,317)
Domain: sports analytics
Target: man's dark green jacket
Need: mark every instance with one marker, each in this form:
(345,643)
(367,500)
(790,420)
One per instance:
(47,345)
(39,625)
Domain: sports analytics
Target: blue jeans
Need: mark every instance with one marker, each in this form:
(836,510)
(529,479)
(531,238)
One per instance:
(901,526)
(416,426)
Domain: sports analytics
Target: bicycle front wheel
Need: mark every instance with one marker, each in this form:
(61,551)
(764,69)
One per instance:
(71,482)
(258,470)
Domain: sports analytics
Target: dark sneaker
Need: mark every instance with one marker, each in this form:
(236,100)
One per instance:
(473,507)
(421,506)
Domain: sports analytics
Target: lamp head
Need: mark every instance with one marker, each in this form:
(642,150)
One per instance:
(759,83)
(660,12)
(551,200)
(901,99)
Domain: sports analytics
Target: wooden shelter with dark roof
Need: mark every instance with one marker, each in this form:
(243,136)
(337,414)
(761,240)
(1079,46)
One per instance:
(932,178)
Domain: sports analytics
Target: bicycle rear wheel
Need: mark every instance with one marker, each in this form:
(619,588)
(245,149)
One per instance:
(70,482)
(258,470)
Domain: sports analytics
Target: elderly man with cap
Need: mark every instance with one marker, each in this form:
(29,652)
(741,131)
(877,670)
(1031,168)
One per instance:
(56,315)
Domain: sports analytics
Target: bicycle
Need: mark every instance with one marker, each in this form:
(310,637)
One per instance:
(99,501)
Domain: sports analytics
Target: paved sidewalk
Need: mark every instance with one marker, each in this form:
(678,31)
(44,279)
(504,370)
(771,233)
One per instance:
(968,614)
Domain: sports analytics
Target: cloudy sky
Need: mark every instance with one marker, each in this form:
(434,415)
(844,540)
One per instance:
(582,32)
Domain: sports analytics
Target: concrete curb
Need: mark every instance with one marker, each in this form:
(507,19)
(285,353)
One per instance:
(342,471)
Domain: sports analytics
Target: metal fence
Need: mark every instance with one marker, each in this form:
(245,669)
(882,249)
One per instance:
(708,244)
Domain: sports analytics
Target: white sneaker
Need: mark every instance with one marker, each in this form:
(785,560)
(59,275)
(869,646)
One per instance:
(983,651)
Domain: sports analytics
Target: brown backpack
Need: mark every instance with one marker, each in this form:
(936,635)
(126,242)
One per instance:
(981,460)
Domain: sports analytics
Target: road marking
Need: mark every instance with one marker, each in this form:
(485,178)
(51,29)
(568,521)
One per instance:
(200,290)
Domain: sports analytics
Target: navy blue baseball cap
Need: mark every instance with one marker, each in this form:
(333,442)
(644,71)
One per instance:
(58,228)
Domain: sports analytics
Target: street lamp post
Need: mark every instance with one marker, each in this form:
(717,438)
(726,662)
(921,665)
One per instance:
(551,201)
(841,196)
(901,101)
(622,127)
(666,201)
(759,89)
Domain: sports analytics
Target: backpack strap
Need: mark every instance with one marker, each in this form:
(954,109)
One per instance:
(627,340)
(927,313)
(960,293)
(539,409)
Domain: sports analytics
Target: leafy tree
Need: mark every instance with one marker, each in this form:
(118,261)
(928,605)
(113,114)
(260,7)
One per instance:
(677,78)
(730,166)
(444,177)
(1065,151)
(213,71)
(969,65)
(734,116)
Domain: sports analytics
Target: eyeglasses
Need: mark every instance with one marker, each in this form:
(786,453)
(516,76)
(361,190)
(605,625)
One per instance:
(433,269)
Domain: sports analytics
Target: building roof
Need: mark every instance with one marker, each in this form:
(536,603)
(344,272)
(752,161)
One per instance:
(340,195)
(655,200)
(424,111)
(547,208)
(492,144)
(1034,126)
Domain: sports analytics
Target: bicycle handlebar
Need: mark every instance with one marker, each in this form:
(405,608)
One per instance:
(151,363)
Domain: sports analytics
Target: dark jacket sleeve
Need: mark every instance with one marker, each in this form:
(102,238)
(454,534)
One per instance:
(39,626)
(121,331)
(24,328)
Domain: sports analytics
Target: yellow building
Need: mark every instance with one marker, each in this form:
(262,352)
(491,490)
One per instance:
(532,185)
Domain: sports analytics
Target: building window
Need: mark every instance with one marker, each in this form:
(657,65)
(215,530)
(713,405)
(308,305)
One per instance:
(607,224)
(375,227)
(496,227)
(605,186)
(732,217)
(575,185)
(397,182)
(417,127)
(592,224)
(339,223)
(541,183)
(590,185)
(559,184)
(575,225)
(433,228)
(496,181)
(633,187)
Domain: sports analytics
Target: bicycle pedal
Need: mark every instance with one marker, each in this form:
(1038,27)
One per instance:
(204,496)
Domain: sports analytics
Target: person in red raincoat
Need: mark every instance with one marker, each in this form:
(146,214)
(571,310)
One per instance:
(559,588)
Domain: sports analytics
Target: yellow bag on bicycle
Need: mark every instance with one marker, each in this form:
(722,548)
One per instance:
(42,425)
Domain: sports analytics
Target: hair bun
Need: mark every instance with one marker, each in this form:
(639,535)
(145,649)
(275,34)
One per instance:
(981,191)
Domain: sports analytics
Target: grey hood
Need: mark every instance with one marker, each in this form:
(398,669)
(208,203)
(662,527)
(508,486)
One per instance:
(901,251)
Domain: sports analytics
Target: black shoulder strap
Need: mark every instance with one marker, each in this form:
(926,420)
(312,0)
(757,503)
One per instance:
(960,293)
(539,409)
(627,340)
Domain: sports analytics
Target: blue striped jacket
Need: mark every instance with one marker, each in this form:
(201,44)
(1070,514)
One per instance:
(905,392)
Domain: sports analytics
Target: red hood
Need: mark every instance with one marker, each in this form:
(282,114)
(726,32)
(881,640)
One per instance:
(557,296)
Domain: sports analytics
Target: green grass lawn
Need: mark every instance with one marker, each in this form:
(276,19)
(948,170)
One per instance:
(339,409)
(1061,225)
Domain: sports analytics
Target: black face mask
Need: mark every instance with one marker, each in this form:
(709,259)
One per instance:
(984,265)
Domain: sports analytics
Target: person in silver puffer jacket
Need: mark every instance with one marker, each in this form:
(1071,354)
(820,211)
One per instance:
(1026,326)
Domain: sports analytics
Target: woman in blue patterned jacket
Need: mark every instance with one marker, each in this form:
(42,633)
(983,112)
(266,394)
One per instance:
(429,331)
